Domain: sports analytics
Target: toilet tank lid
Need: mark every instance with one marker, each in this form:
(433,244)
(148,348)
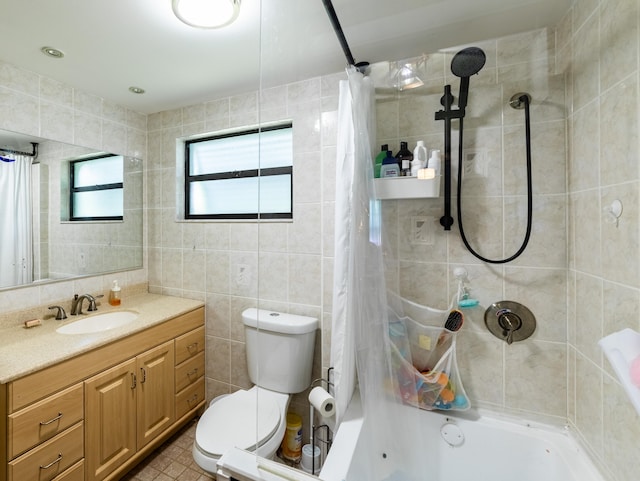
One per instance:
(278,321)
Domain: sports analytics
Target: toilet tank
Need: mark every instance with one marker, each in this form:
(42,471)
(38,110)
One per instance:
(279,349)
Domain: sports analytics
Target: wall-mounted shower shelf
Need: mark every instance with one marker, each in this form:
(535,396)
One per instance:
(407,188)
(621,348)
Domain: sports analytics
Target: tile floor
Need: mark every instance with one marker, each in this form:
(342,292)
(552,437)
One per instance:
(172,461)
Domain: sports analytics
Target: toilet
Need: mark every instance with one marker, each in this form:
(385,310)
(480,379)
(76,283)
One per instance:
(279,349)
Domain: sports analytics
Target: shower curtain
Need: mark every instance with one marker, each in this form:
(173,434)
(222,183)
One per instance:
(363,304)
(16,248)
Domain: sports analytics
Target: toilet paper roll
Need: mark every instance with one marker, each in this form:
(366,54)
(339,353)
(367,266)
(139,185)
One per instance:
(322,401)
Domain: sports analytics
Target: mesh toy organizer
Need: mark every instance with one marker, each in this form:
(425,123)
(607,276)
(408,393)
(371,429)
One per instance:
(423,359)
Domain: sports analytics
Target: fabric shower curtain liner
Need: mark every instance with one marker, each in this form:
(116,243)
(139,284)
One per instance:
(360,327)
(16,253)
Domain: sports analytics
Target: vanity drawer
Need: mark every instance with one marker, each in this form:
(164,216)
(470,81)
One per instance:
(51,458)
(74,473)
(189,345)
(190,398)
(189,371)
(44,420)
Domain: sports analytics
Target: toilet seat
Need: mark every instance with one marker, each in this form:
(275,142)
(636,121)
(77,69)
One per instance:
(238,420)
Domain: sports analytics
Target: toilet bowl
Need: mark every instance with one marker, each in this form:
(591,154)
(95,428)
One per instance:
(244,419)
(279,349)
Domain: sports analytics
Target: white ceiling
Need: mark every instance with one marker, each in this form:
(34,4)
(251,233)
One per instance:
(110,45)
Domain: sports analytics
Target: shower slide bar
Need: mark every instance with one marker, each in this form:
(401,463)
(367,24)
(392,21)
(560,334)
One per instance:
(333,17)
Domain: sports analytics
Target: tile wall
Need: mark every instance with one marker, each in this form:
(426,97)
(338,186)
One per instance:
(517,378)
(598,49)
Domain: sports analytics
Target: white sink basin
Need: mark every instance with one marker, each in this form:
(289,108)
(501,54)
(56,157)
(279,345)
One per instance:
(99,323)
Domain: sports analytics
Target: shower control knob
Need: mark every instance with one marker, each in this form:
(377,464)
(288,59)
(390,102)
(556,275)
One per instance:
(510,321)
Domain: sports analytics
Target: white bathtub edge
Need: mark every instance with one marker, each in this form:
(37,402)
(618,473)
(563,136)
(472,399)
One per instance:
(337,463)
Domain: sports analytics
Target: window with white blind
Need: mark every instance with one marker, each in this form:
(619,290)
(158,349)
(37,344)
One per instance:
(241,175)
(96,188)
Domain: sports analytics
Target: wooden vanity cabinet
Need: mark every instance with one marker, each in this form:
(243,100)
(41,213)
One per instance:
(126,407)
(95,416)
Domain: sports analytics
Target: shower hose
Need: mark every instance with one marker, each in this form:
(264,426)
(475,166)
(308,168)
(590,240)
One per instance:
(524,99)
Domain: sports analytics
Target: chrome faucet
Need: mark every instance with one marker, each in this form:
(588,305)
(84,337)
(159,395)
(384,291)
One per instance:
(76,303)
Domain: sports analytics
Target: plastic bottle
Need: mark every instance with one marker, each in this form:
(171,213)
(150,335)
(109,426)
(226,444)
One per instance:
(292,442)
(404,156)
(419,158)
(434,161)
(390,166)
(114,294)
(379,158)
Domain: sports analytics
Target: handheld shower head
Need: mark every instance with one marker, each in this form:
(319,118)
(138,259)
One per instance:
(468,62)
(465,63)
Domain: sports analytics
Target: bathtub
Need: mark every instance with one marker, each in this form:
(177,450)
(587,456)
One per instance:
(470,447)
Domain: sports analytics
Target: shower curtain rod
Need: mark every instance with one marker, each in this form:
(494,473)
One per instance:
(333,17)
(33,153)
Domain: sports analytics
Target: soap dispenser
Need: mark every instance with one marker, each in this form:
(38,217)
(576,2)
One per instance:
(114,295)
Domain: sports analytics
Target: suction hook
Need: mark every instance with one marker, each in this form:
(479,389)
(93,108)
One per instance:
(613,212)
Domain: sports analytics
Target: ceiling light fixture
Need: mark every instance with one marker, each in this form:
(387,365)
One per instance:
(206,13)
(52,52)
(136,90)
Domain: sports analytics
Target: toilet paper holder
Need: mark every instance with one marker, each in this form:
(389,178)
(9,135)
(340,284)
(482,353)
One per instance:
(327,441)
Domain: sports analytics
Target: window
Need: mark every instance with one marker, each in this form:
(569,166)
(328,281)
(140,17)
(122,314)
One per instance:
(96,188)
(242,175)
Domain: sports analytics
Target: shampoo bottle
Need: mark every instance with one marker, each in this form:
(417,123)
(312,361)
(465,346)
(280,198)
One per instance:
(379,158)
(404,157)
(114,294)
(390,167)
(419,158)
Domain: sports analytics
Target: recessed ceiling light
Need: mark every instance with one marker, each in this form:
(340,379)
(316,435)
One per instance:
(52,52)
(136,90)
(206,13)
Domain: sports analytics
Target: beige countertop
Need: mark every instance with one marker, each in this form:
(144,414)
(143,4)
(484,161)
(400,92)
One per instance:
(26,350)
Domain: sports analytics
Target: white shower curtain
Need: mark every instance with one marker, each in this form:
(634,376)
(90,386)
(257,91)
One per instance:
(353,159)
(16,248)
(361,307)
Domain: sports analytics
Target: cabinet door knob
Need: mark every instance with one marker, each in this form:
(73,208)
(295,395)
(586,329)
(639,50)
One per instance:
(133,380)
(143,372)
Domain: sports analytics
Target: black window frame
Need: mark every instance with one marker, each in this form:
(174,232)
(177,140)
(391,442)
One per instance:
(91,188)
(189,179)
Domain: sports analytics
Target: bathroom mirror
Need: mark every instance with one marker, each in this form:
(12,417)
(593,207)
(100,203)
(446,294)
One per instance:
(57,248)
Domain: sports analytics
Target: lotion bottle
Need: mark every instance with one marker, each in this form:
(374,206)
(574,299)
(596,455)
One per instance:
(434,161)
(114,294)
